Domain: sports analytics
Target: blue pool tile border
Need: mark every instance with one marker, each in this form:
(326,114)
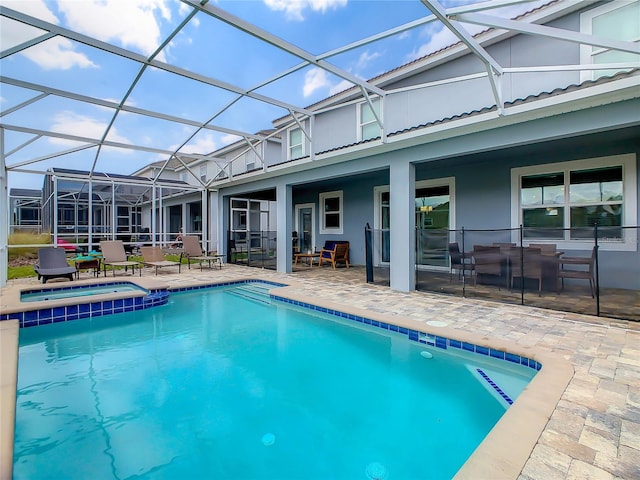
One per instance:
(161,297)
(226,284)
(424,338)
(493,385)
(68,313)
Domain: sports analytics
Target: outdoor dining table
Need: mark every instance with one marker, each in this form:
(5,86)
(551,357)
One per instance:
(498,263)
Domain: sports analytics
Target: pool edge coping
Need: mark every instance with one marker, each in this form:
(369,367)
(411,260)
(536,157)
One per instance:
(11,302)
(8,391)
(520,427)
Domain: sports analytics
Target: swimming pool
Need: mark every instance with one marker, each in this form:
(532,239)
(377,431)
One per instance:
(258,390)
(40,294)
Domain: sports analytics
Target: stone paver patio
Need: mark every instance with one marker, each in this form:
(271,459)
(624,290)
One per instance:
(594,431)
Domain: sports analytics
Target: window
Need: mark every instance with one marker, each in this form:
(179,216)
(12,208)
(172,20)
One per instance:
(203,173)
(564,201)
(368,125)
(183,177)
(296,145)
(616,21)
(331,212)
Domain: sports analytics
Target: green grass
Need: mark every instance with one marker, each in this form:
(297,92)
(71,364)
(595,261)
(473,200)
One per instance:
(23,271)
(26,238)
(27,271)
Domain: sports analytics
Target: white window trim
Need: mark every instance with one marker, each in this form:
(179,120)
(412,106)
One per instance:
(302,143)
(586,26)
(630,199)
(359,116)
(329,231)
(203,168)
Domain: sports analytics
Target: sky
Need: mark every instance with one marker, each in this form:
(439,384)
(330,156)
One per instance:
(205,46)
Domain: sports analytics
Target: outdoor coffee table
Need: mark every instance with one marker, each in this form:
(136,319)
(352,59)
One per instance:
(308,256)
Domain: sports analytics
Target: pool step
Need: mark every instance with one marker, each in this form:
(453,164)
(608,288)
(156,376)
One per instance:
(253,291)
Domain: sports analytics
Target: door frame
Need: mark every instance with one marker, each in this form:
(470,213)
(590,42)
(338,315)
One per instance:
(299,207)
(435,182)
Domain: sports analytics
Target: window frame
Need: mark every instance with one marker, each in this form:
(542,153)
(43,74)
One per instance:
(586,26)
(203,168)
(290,146)
(628,162)
(324,230)
(361,125)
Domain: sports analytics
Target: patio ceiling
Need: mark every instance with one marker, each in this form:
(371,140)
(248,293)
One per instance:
(183,100)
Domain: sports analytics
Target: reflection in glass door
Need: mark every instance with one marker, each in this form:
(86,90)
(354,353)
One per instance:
(432,225)
(305,217)
(385,216)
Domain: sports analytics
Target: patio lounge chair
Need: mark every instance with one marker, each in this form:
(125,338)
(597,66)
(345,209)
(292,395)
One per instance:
(154,257)
(113,254)
(193,251)
(52,263)
(335,252)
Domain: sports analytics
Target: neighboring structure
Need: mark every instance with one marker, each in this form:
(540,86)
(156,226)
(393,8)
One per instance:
(112,204)
(25,206)
(528,130)
(254,213)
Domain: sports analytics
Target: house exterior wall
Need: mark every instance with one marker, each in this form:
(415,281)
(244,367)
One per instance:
(335,128)
(408,108)
(479,153)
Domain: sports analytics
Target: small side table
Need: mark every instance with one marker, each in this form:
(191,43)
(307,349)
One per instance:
(87,263)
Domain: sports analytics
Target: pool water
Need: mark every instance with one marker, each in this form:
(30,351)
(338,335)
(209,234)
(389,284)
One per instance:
(215,385)
(78,291)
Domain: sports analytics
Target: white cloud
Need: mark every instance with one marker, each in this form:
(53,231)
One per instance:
(203,144)
(315,79)
(339,87)
(365,58)
(438,38)
(294,8)
(133,24)
(83,126)
(229,139)
(55,54)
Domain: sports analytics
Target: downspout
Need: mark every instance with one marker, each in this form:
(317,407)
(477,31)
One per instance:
(204,216)
(154,216)
(54,226)
(90,216)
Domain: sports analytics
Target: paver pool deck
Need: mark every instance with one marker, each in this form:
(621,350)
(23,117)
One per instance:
(593,432)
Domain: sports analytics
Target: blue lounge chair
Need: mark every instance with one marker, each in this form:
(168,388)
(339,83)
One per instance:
(52,263)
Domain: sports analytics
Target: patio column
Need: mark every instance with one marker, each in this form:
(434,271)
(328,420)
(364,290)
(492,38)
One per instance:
(4,215)
(284,214)
(402,190)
